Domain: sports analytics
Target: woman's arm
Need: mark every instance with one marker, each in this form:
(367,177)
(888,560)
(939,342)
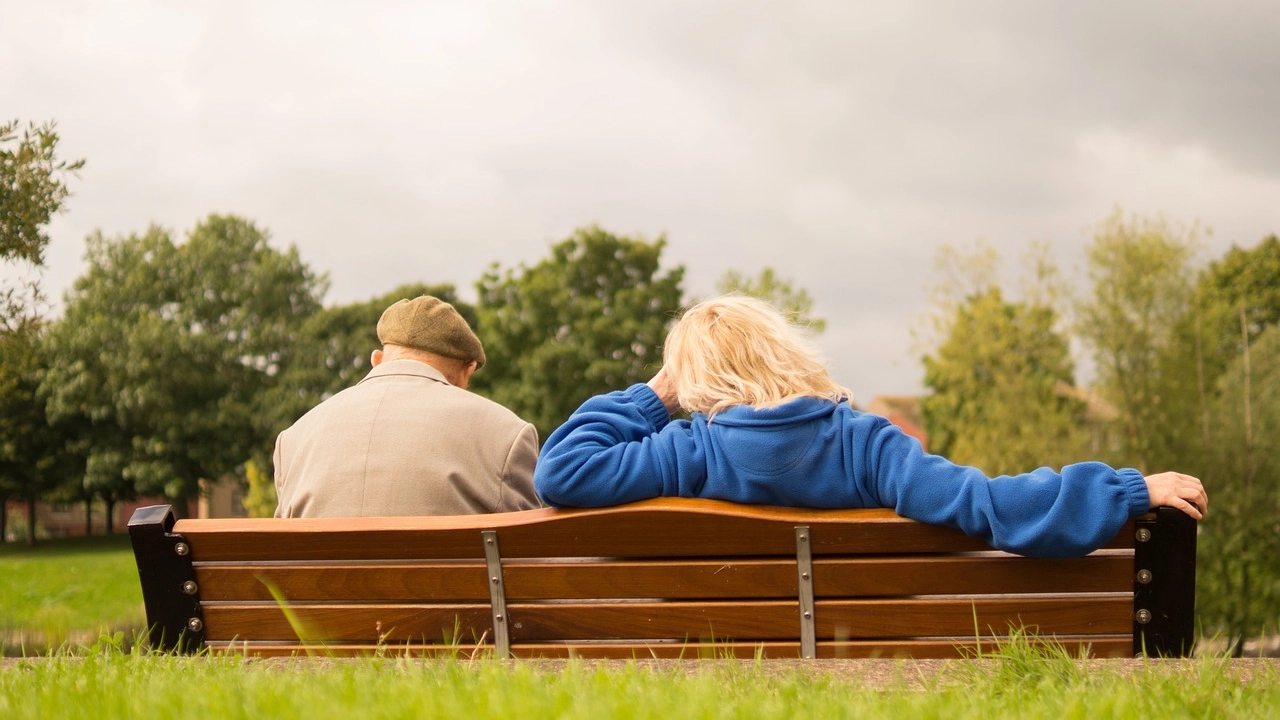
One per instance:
(611,451)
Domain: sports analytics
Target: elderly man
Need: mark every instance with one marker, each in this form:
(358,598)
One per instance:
(409,439)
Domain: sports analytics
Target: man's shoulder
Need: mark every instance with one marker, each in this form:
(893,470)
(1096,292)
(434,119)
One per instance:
(403,397)
(495,410)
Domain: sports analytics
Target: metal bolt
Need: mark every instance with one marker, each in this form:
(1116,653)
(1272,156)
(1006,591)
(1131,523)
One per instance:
(181,548)
(498,618)
(488,541)
(495,580)
(189,587)
(807,614)
(804,538)
(195,625)
(1143,616)
(804,576)
(1143,534)
(1144,576)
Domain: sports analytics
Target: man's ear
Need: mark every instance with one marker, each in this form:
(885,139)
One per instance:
(464,375)
(375,358)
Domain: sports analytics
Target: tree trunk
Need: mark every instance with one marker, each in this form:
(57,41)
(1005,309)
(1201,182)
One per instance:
(1251,469)
(110,503)
(88,516)
(1238,650)
(31,522)
(1204,402)
(4,521)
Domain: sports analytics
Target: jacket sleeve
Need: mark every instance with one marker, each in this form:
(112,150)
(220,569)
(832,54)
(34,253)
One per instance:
(1042,513)
(610,451)
(277,462)
(517,474)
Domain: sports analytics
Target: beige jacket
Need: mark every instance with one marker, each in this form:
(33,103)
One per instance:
(405,442)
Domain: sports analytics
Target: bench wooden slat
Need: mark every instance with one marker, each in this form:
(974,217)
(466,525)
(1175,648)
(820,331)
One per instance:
(672,579)
(766,619)
(625,531)
(337,622)
(739,620)
(977,575)
(353,582)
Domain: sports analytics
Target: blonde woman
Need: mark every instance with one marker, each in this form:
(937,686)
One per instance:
(769,426)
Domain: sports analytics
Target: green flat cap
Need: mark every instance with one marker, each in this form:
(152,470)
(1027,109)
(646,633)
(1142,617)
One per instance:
(430,324)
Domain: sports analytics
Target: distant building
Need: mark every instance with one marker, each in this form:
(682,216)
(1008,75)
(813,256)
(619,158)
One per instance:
(1100,417)
(60,520)
(903,411)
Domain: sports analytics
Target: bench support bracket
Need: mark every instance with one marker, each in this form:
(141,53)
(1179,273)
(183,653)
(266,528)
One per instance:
(169,589)
(497,594)
(804,572)
(1164,585)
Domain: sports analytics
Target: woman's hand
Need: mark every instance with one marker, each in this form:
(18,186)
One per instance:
(1178,491)
(662,386)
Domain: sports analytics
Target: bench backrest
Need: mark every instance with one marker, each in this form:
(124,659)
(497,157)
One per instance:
(661,578)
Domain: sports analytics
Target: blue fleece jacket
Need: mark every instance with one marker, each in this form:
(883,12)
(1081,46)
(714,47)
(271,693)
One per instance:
(623,446)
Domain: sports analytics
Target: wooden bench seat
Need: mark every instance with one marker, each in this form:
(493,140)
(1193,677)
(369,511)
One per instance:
(660,578)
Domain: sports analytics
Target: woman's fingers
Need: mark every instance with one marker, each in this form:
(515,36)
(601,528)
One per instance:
(1180,491)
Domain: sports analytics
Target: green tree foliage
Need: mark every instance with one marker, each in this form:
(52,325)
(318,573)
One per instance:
(165,350)
(1235,340)
(589,319)
(1243,280)
(32,190)
(1140,275)
(1241,287)
(999,370)
(779,292)
(1239,573)
(1000,389)
(260,498)
(33,455)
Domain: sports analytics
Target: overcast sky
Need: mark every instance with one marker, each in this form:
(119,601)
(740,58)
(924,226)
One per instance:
(838,142)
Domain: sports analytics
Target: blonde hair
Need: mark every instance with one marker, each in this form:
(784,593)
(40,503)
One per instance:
(737,350)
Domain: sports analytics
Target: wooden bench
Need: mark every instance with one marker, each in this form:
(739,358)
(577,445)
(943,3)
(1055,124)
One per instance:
(660,578)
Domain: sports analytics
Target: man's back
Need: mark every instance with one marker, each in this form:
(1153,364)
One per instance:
(405,442)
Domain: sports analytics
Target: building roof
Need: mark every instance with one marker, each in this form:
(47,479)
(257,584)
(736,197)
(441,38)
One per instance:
(903,411)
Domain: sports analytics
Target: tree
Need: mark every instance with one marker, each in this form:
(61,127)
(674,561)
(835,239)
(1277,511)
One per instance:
(1140,274)
(34,456)
(999,371)
(260,496)
(1000,389)
(1236,339)
(1243,280)
(164,351)
(589,319)
(32,190)
(782,294)
(1239,579)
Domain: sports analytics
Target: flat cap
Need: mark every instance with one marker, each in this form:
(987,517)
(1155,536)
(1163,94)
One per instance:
(430,324)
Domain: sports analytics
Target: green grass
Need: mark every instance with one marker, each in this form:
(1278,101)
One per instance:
(67,590)
(108,682)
